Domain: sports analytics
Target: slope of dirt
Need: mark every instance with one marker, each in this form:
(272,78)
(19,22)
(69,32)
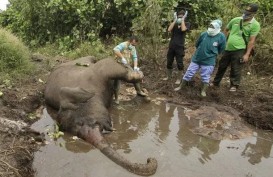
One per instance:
(23,102)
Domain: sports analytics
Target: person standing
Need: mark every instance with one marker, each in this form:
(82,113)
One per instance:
(208,46)
(178,29)
(241,32)
(126,54)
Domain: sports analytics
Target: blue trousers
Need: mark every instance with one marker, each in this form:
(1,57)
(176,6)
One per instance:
(205,72)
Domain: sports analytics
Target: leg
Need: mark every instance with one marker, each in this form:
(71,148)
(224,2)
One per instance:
(192,69)
(205,73)
(223,64)
(116,90)
(138,89)
(179,55)
(170,58)
(236,68)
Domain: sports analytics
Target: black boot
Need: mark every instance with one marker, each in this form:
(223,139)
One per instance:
(138,90)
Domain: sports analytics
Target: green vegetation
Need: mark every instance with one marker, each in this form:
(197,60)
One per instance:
(74,28)
(14,57)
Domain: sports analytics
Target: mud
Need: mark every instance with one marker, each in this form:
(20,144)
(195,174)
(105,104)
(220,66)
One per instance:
(24,100)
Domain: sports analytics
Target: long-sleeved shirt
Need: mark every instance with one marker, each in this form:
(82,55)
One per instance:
(208,47)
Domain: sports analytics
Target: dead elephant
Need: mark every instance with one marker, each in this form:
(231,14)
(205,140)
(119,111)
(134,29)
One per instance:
(81,90)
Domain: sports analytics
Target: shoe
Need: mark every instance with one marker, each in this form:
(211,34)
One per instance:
(116,102)
(204,89)
(233,89)
(183,83)
(169,75)
(179,76)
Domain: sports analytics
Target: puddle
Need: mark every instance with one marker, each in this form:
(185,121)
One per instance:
(161,130)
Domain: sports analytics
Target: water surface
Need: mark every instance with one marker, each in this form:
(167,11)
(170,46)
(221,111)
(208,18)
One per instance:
(160,130)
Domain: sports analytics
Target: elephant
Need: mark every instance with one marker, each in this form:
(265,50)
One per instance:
(82,91)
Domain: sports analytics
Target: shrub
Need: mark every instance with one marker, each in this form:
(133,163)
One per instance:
(14,56)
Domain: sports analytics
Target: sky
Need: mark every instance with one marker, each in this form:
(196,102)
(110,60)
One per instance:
(3,4)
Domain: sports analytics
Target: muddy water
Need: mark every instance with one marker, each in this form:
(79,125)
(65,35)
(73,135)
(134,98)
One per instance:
(160,130)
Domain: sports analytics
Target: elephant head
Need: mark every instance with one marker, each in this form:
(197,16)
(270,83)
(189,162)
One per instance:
(82,96)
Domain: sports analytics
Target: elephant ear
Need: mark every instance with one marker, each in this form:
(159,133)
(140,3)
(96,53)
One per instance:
(71,97)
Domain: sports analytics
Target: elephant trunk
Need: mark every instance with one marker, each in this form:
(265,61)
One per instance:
(94,136)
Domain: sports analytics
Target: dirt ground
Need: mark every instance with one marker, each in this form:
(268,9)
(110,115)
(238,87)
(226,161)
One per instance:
(22,103)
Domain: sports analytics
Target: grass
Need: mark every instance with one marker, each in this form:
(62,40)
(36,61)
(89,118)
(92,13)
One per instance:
(14,57)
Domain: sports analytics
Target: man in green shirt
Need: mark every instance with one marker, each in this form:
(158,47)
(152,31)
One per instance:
(241,32)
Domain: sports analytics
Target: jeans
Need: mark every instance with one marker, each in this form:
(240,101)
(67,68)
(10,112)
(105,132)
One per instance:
(231,58)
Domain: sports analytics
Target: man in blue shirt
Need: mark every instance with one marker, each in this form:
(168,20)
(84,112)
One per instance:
(208,46)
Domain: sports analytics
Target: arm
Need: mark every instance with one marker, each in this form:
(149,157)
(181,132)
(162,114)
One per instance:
(183,26)
(222,45)
(118,52)
(170,28)
(250,46)
(199,40)
(134,57)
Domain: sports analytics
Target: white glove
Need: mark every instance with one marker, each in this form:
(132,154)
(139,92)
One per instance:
(136,68)
(185,15)
(175,16)
(123,61)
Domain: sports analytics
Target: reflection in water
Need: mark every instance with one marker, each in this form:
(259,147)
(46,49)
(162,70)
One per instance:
(162,131)
(188,140)
(131,122)
(164,119)
(260,149)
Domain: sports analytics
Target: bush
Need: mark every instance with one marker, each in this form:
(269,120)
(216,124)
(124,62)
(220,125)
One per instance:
(14,56)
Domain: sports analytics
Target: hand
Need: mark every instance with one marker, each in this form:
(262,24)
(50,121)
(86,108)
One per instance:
(245,58)
(136,68)
(185,15)
(175,16)
(123,61)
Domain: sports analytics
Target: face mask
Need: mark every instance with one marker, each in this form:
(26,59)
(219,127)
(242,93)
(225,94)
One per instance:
(245,17)
(179,21)
(212,31)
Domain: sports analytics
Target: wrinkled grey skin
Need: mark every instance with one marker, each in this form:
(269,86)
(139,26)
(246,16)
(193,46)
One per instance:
(82,96)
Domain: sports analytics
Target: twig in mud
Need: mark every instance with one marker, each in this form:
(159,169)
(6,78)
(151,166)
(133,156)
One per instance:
(25,149)
(11,167)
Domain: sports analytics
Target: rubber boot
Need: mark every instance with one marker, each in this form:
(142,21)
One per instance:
(182,84)
(204,89)
(138,90)
(169,75)
(116,90)
(179,76)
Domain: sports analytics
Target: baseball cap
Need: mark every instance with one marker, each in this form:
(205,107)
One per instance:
(251,9)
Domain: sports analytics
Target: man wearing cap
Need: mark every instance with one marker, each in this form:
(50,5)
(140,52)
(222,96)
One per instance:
(241,35)
(210,43)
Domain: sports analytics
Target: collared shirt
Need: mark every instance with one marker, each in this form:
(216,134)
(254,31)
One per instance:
(235,39)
